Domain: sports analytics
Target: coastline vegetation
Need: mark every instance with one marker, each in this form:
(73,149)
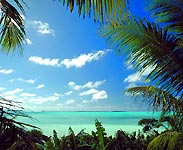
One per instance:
(147,44)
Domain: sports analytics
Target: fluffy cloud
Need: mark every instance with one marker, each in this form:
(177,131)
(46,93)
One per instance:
(1,88)
(68,93)
(41,27)
(70,102)
(27,95)
(41,100)
(6,71)
(83,59)
(46,61)
(136,77)
(12,92)
(28,41)
(85,101)
(88,85)
(40,86)
(31,81)
(88,92)
(99,95)
(128,64)
(77,62)
(131,85)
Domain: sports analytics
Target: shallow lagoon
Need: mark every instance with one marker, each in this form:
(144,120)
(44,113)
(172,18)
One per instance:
(111,121)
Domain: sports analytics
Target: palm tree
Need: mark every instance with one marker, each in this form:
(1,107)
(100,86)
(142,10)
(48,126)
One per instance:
(172,113)
(12,34)
(171,107)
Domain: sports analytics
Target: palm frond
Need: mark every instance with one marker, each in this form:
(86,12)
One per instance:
(158,99)
(168,141)
(102,10)
(12,34)
(175,121)
(170,13)
(149,45)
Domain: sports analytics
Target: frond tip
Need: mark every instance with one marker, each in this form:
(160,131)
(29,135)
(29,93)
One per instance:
(102,10)
(158,98)
(12,34)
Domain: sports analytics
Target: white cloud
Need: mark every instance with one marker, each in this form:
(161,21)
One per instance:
(11,97)
(1,88)
(128,64)
(56,94)
(83,59)
(27,95)
(74,86)
(46,61)
(88,92)
(148,71)
(6,71)
(68,93)
(40,86)
(88,85)
(42,27)
(28,41)
(41,100)
(93,84)
(70,102)
(31,81)
(131,85)
(85,101)
(99,95)
(59,104)
(136,77)
(68,63)
(12,92)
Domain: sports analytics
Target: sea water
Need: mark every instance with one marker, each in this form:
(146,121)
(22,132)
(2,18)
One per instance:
(111,121)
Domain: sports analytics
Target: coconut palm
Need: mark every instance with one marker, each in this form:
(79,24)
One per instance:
(171,107)
(172,113)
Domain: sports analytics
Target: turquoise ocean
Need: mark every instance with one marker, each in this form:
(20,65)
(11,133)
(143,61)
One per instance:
(111,121)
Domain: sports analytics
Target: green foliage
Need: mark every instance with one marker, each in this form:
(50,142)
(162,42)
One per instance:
(13,134)
(170,106)
(12,33)
(168,141)
(103,11)
(158,99)
(169,12)
(149,46)
(101,134)
(149,125)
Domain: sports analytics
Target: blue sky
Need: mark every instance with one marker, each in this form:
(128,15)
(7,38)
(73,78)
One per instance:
(66,66)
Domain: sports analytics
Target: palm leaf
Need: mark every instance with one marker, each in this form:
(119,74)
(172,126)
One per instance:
(168,141)
(158,99)
(101,10)
(148,45)
(169,12)
(12,34)
(175,121)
